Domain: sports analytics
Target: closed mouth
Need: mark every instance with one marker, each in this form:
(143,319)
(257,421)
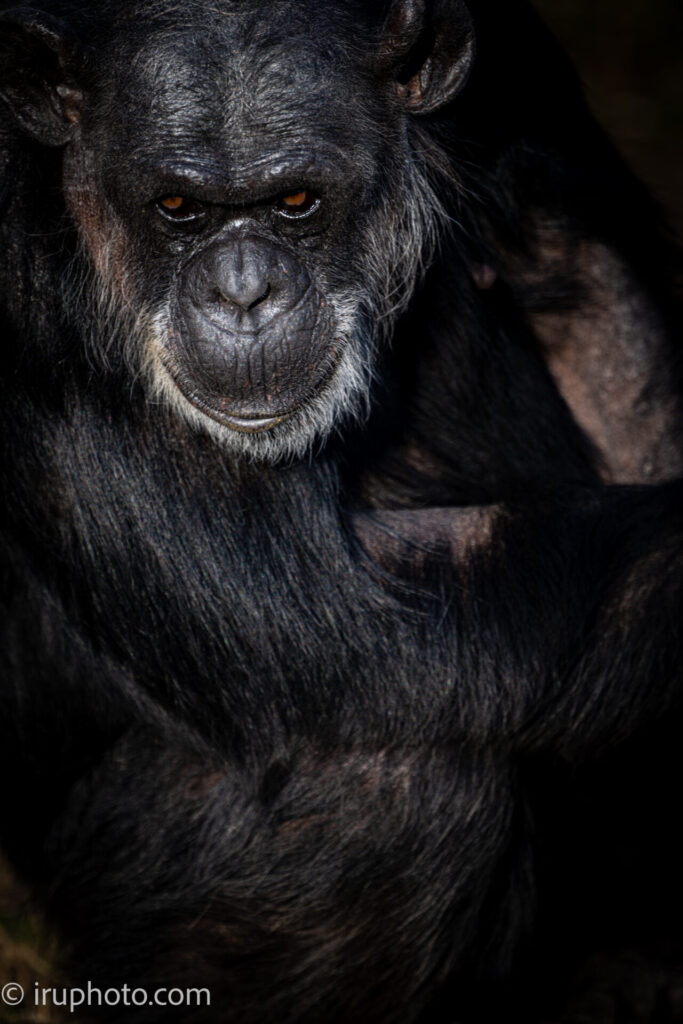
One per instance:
(249,424)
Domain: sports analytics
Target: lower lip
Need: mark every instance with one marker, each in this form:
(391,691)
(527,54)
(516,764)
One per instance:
(252,426)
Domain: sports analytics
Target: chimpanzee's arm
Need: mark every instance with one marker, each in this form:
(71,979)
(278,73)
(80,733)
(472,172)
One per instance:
(320,885)
(570,609)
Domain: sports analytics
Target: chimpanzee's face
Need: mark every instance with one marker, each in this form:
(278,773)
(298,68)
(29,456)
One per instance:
(230,184)
(244,181)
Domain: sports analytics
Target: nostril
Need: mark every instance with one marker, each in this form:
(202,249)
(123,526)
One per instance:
(245,301)
(243,291)
(260,298)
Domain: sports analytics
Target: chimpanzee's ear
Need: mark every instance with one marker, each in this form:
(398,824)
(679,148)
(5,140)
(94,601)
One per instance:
(38,56)
(427,47)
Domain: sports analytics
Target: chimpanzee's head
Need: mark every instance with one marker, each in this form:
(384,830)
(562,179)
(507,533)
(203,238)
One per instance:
(246,188)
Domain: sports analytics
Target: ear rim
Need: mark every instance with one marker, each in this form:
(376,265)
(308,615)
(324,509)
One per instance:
(400,32)
(442,75)
(51,118)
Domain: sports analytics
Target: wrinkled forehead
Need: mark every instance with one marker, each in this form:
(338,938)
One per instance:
(237,81)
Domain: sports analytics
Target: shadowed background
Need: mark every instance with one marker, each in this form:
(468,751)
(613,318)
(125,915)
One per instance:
(629,54)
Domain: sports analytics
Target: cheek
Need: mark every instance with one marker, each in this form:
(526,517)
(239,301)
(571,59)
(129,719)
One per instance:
(102,235)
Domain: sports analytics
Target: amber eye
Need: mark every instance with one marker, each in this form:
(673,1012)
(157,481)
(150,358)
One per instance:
(179,208)
(298,204)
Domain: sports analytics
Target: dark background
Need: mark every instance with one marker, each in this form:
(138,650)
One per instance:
(630,57)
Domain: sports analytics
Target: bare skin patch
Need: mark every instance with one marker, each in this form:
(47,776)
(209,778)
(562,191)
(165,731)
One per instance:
(408,537)
(611,358)
(103,238)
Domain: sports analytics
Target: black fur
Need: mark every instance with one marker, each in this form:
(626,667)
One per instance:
(386,731)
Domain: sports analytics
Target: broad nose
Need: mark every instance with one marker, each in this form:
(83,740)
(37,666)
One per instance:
(243,275)
(241,283)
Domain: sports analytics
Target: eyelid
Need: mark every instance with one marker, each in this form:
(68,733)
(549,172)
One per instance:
(188,209)
(301,211)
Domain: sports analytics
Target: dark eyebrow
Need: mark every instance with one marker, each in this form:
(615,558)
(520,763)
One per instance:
(215,181)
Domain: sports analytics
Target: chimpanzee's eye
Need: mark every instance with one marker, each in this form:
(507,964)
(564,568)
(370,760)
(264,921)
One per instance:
(298,204)
(179,208)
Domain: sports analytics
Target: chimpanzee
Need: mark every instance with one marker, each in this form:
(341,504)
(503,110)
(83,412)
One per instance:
(341,541)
